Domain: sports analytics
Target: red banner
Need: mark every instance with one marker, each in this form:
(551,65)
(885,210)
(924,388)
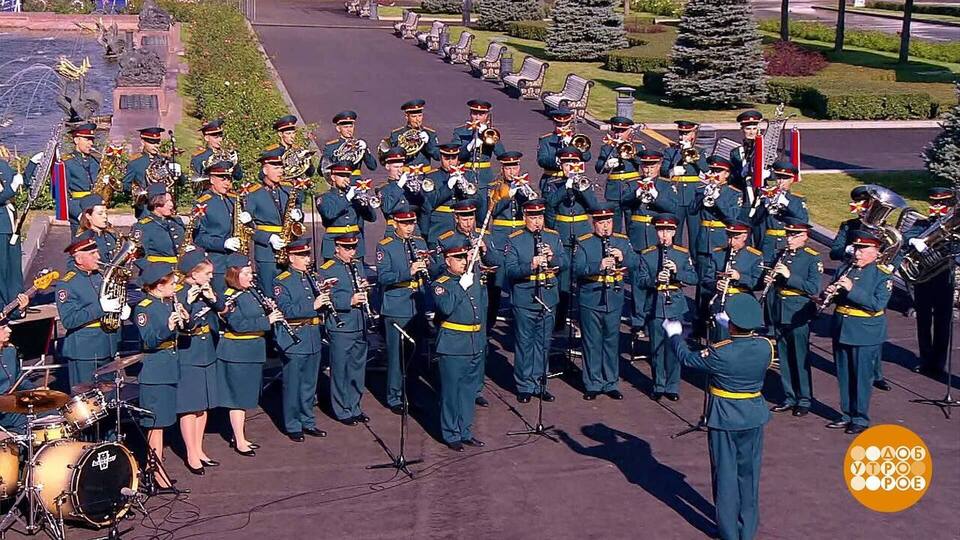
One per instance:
(795,149)
(58,186)
(758,163)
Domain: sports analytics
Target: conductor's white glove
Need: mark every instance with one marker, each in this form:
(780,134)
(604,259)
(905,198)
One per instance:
(276,242)
(110,305)
(245,217)
(672,327)
(466,281)
(232,244)
(917,244)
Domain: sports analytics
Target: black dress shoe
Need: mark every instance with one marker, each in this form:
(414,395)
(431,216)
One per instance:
(474,442)
(590,396)
(397,409)
(800,411)
(523,397)
(854,429)
(314,432)
(210,463)
(248,453)
(656,396)
(455,446)
(363,418)
(296,436)
(169,490)
(352,421)
(783,407)
(882,384)
(547,396)
(254,446)
(672,396)
(839,424)
(197,471)
(481,401)
(615,394)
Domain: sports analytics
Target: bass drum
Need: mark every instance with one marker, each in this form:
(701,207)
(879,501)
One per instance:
(9,466)
(82,481)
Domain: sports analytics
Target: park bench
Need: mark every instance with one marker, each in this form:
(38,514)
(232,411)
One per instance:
(574,95)
(406,28)
(365,9)
(488,66)
(352,7)
(430,40)
(529,80)
(457,53)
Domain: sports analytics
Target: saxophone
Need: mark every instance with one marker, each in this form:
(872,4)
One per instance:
(240,229)
(187,244)
(110,179)
(114,284)
(290,228)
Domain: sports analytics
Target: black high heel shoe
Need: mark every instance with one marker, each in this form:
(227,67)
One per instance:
(247,453)
(197,471)
(209,463)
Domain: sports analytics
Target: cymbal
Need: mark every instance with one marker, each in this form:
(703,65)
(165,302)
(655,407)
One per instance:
(40,400)
(118,364)
(103,386)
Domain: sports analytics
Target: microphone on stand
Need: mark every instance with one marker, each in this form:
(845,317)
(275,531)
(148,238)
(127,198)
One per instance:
(404,334)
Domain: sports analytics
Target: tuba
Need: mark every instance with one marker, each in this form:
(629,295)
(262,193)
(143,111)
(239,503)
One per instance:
(110,178)
(114,284)
(942,238)
(883,202)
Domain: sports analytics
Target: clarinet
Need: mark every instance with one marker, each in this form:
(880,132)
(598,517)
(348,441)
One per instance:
(662,255)
(361,285)
(544,267)
(227,303)
(726,272)
(328,308)
(605,246)
(269,304)
(768,286)
(829,297)
(414,256)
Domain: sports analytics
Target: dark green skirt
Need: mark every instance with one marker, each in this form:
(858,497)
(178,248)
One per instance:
(161,400)
(197,389)
(238,384)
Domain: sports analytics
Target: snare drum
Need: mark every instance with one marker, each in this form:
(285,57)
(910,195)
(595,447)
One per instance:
(82,481)
(48,429)
(9,466)
(84,410)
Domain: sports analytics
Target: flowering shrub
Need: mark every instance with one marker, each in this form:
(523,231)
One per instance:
(791,60)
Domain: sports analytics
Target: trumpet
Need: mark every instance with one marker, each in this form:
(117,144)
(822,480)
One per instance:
(490,136)
(366,195)
(646,188)
(416,181)
(771,200)
(581,182)
(462,184)
(521,183)
(581,142)
(711,191)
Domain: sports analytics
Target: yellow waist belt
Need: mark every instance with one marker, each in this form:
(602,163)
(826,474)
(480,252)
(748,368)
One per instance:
(553,173)
(460,327)
(776,232)
(719,392)
(571,219)
(410,284)
(508,222)
(540,277)
(243,335)
(604,279)
(667,288)
(713,224)
(270,228)
(734,290)
(78,194)
(623,175)
(93,325)
(857,312)
(478,164)
(641,219)
(343,229)
(164,346)
(787,291)
(162,259)
(199,331)
(304,321)
(685,178)
(443,208)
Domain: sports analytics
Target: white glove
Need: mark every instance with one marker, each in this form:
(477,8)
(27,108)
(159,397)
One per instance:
(424,136)
(782,199)
(36,158)
(17,182)
(245,217)
(686,144)
(849,249)
(722,319)
(653,192)
(296,214)
(232,244)
(351,193)
(917,244)
(362,144)
(482,128)
(466,281)
(513,191)
(679,170)
(124,312)
(452,181)
(402,181)
(174,168)
(613,162)
(566,139)
(110,305)
(473,144)
(672,327)
(663,276)
(569,183)
(766,174)
(276,242)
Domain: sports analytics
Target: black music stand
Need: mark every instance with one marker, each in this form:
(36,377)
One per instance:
(947,402)
(399,461)
(540,429)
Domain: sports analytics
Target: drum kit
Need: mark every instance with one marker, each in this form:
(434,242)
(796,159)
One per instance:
(59,469)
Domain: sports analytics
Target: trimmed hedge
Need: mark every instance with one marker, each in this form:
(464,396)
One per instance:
(869,39)
(666,8)
(819,104)
(535,30)
(927,9)
(634,60)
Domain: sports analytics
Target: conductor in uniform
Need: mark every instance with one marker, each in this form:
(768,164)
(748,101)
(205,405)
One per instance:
(736,413)
(859,328)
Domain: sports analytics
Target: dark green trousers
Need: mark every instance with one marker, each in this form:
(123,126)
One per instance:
(735,466)
(459,375)
(793,344)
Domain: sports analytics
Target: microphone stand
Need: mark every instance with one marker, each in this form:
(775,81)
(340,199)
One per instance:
(399,461)
(540,429)
(947,402)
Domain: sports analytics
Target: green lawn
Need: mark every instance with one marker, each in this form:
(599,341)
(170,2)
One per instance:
(828,194)
(917,17)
